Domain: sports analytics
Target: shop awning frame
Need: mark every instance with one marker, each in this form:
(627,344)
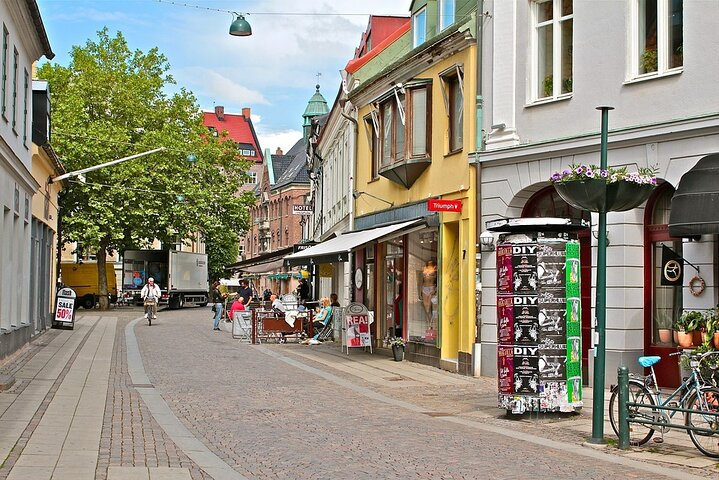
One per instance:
(268,262)
(695,203)
(337,249)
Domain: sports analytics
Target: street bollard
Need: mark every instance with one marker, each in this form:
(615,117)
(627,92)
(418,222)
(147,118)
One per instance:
(623,380)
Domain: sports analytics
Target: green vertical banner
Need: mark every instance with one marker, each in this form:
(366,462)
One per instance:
(574,322)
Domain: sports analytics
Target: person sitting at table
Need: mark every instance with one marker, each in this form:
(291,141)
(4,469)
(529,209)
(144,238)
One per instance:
(237,306)
(277,306)
(321,319)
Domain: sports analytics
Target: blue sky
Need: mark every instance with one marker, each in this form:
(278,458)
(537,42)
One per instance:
(273,72)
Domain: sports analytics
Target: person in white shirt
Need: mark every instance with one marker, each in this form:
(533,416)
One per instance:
(277,304)
(150,295)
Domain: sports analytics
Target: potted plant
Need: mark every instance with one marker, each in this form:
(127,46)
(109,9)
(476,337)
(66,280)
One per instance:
(589,187)
(712,326)
(685,325)
(664,327)
(397,344)
(649,60)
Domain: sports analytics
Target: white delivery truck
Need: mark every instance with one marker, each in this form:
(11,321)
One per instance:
(181,276)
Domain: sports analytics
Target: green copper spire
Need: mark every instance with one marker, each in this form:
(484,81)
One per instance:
(315,107)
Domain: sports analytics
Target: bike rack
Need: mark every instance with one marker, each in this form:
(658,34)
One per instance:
(625,417)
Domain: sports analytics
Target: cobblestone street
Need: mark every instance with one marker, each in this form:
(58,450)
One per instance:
(282,411)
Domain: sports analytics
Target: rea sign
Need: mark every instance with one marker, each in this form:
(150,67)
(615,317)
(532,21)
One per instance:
(437,205)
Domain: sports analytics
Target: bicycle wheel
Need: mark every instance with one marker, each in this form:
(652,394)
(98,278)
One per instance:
(639,434)
(708,401)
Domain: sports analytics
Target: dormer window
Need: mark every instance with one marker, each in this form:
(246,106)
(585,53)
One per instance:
(419,27)
(446,13)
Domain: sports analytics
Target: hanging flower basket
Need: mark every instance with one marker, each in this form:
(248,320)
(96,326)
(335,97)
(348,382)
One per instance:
(613,190)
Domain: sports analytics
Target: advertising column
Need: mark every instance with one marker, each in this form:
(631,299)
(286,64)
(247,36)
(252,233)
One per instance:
(538,322)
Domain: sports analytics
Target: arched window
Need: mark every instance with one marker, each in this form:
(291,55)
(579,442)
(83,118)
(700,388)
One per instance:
(662,303)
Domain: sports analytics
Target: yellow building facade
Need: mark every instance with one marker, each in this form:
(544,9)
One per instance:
(414,141)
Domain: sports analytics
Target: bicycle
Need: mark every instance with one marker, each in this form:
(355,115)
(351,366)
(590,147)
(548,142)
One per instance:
(693,394)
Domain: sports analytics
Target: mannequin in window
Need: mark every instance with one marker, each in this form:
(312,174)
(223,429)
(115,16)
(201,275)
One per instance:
(429,287)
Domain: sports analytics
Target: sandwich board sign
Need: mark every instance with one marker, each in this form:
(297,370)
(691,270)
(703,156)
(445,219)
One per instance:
(357,332)
(64,309)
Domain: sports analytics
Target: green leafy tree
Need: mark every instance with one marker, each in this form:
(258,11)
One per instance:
(111,102)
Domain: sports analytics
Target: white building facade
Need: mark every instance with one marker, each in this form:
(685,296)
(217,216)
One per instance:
(547,64)
(24,41)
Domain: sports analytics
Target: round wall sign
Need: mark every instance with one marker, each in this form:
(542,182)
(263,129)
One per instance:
(359,275)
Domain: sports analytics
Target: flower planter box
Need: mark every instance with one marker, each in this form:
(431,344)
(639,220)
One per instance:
(597,195)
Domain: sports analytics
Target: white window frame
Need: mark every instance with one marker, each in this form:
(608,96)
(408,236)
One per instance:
(419,36)
(444,20)
(663,31)
(556,22)
(252,178)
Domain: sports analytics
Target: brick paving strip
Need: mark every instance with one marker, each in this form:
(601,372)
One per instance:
(177,432)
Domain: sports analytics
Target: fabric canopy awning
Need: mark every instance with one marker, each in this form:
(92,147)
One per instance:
(337,249)
(695,204)
(263,267)
(267,262)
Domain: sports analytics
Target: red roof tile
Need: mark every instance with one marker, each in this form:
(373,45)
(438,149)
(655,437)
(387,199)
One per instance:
(238,126)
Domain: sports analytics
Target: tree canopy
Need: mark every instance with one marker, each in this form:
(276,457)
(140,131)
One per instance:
(111,102)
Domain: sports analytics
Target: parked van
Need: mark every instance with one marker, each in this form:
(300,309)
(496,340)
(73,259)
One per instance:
(82,277)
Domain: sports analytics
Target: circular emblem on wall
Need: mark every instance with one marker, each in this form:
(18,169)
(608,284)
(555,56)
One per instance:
(672,270)
(359,275)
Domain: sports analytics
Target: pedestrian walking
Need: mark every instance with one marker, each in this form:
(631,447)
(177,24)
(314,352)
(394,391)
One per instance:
(216,298)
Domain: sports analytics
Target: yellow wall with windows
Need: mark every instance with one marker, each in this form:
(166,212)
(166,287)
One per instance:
(450,177)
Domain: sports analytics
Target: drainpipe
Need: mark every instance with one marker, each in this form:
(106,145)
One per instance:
(353,157)
(479,144)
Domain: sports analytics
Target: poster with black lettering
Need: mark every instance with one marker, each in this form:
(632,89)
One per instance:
(552,367)
(505,368)
(504,268)
(526,320)
(551,263)
(524,268)
(552,309)
(505,319)
(553,345)
(526,369)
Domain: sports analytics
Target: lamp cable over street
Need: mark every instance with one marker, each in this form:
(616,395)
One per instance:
(102,165)
(356,194)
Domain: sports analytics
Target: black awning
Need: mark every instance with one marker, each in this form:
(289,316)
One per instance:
(695,204)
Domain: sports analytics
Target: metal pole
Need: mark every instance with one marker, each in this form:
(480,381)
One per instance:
(601,307)
(623,381)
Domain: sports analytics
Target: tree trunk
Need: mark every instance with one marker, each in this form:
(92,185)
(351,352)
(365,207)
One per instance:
(102,276)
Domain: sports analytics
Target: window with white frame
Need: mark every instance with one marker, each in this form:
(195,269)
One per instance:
(658,37)
(453,95)
(252,178)
(371,123)
(552,49)
(446,13)
(403,125)
(16,59)
(419,27)
(3,74)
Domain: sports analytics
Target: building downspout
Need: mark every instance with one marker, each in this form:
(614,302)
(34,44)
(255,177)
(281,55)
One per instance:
(479,145)
(353,163)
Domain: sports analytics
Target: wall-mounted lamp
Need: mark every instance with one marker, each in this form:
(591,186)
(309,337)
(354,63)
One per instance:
(486,239)
(240,27)
(595,234)
(356,194)
(499,126)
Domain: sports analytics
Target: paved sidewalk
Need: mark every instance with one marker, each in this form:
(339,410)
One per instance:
(84,406)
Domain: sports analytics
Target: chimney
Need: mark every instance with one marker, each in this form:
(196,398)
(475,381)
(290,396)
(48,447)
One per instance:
(278,151)
(220,112)
(246,113)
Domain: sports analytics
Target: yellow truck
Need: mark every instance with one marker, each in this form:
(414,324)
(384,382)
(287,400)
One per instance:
(82,277)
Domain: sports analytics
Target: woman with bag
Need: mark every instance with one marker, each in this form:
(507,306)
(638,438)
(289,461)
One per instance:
(216,298)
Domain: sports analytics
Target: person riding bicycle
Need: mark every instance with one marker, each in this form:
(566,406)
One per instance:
(150,295)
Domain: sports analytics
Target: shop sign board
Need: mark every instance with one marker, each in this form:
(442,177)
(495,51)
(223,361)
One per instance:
(438,205)
(65,309)
(303,209)
(357,323)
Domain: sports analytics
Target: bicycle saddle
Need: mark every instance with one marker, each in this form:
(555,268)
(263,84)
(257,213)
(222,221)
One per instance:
(649,361)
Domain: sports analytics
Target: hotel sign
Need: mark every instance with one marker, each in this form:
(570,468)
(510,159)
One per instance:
(304,209)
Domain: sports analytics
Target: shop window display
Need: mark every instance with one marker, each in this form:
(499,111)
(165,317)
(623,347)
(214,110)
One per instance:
(422,291)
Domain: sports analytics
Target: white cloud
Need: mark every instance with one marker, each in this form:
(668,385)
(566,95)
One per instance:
(284,139)
(210,83)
